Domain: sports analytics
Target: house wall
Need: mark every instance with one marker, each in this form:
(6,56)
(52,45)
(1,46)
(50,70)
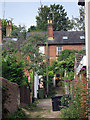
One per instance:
(75,47)
(53,52)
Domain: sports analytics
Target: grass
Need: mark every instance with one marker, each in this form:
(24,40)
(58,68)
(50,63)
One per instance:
(38,116)
(49,111)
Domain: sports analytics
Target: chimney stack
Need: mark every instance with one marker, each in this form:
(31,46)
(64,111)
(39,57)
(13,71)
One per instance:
(8,28)
(50,30)
(0,32)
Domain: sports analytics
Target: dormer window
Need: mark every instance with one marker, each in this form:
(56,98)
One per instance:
(82,37)
(65,37)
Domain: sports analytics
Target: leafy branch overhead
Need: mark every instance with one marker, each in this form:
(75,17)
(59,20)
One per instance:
(30,49)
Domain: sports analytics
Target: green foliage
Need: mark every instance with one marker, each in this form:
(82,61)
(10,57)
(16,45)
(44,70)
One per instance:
(57,14)
(66,63)
(79,23)
(42,72)
(75,109)
(19,32)
(32,28)
(9,47)
(12,69)
(30,49)
(33,106)
(66,53)
(4,23)
(19,115)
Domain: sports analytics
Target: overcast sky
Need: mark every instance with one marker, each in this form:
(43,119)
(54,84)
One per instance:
(24,13)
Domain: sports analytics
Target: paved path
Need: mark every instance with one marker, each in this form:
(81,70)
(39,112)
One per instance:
(43,110)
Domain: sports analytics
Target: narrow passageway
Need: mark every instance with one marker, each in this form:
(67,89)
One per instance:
(44,108)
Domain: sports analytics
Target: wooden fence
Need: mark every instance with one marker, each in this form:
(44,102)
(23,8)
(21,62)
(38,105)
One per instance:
(24,95)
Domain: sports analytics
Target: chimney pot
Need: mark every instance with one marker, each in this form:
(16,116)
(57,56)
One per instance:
(8,28)
(50,30)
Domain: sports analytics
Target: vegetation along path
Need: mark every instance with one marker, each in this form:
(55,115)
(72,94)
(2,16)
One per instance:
(43,110)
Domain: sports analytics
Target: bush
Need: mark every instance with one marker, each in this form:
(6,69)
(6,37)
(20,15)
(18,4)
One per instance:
(18,115)
(13,69)
(78,106)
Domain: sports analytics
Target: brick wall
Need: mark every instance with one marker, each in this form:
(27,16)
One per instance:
(13,93)
(53,52)
(75,47)
(8,28)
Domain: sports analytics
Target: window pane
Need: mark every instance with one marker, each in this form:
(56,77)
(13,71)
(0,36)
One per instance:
(59,49)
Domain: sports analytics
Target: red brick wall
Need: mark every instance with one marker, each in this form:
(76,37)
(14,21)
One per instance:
(75,47)
(50,31)
(53,52)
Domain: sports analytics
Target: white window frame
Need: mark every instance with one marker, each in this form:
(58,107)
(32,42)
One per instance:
(83,47)
(59,49)
(41,49)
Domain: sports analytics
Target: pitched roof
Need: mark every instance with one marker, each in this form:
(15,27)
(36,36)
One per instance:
(78,57)
(71,37)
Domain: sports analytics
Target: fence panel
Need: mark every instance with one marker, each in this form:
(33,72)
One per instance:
(24,95)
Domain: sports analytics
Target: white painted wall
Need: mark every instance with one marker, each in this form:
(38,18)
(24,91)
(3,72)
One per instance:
(82,63)
(54,81)
(87,32)
(36,83)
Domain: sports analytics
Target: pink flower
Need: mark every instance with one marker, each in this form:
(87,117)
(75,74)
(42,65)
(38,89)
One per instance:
(65,80)
(82,68)
(75,80)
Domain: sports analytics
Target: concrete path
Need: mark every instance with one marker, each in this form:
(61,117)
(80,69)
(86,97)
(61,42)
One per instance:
(43,110)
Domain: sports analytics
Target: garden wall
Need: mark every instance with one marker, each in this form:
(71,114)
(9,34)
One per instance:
(13,95)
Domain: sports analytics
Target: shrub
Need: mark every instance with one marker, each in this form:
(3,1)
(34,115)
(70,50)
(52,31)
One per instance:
(13,69)
(18,115)
(77,108)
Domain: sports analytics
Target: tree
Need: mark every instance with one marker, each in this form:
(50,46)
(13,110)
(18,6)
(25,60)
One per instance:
(57,14)
(4,23)
(79,23)
(19,32)
(66,53)
(32,28)
(30,49)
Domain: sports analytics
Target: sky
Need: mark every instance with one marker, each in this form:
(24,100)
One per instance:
(24,13)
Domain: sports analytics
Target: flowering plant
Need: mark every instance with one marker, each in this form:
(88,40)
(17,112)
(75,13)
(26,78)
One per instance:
(83,70)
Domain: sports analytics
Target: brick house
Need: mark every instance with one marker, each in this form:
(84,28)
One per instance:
(60,40)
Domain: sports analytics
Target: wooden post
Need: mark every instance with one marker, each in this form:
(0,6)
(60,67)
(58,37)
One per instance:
(47,65)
